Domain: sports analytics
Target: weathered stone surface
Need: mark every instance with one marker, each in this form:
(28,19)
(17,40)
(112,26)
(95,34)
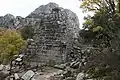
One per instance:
(61,66)
(44,9)
(1,67)
(6,20)
(54,34)
(16,76)
(10,21)
(3,75)
(82,76)
(28,75)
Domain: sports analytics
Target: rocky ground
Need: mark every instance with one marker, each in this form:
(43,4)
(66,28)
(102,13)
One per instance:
(67,71)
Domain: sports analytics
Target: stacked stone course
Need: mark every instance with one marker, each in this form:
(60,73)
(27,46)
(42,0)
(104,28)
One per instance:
(54,33)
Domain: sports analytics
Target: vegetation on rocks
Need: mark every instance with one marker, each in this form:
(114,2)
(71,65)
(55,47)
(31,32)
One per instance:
(103,29)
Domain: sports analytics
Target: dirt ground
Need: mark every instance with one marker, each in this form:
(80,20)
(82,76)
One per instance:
(47,72)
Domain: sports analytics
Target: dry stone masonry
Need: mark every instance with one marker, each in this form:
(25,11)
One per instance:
(54,33)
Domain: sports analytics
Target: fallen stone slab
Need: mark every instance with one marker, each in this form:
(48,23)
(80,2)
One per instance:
(61,66)
(28,75)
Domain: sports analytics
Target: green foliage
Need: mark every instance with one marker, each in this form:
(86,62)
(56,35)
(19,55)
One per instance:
(91,5)
(98,5)
(11,43)
(105,16)
(88,22)
(98,73)
(104,64)
(98,28)
(27,32)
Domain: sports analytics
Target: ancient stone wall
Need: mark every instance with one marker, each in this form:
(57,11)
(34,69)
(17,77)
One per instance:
(54,34)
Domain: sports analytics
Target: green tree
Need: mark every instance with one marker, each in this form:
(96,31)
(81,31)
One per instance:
(27,32)
(104,26)
(11,43)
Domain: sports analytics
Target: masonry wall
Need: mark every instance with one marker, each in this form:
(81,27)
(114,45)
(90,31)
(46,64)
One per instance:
(54,35)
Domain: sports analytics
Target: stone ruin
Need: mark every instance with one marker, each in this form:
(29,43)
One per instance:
(56,29)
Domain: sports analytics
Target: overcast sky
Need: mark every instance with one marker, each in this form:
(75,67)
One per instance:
(24,7)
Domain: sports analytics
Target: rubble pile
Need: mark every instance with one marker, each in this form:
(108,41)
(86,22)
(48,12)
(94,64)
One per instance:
(73,70)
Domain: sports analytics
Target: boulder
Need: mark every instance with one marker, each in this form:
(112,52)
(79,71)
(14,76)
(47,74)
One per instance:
(7,67)
(16,76)
(28,75)
(59,72)
(61,66)
(1,67)
(3,75)
(81,76)
(18,59)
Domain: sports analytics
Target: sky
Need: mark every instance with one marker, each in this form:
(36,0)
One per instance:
(25,7)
